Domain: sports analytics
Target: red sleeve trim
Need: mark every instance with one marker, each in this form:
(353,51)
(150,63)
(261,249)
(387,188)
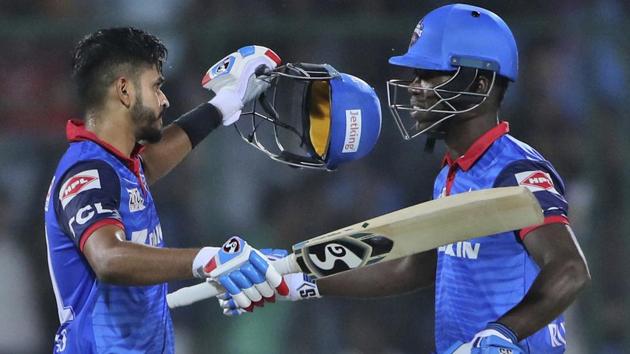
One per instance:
(552,219)
(97,225)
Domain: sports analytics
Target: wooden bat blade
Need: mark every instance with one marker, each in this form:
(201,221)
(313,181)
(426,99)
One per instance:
(419,228)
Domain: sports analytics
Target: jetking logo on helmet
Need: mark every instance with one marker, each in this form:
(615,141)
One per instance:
(417,32)
(353,130)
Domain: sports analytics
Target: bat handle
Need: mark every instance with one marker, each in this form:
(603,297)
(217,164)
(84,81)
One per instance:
(191,294)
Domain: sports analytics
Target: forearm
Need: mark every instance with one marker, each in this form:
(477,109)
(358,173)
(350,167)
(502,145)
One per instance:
(383,279)
(178,139)
(555,288)
(133,264)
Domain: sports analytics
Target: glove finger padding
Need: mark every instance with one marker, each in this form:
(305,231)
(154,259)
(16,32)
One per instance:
(259,281)
(229,307)
(274,278)
(247,287)
(239,297)
(246,282)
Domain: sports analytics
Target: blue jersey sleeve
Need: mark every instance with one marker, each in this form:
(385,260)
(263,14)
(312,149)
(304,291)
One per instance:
(87,197)
(543,180)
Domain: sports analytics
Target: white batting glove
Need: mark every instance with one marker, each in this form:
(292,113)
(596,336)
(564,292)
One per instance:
(300,287)
(239,78)
(243,271)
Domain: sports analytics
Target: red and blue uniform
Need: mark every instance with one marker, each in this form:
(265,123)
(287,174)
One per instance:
(95,185)
(479,280)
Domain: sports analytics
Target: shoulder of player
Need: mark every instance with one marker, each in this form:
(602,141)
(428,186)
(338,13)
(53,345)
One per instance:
(86,175)
(511,151)
(532,173)
(516,148)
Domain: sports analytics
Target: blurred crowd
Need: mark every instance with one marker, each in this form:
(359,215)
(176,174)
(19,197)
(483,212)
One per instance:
(570,103)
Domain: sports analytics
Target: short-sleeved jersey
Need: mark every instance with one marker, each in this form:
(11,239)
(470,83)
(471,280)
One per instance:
(479,280)
(95,185)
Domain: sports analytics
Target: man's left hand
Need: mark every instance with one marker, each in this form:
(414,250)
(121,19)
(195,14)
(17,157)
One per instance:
(239,78)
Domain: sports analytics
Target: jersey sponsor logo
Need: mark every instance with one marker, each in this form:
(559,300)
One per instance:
(464,249)
(536,181)
(353,131)
(86,213)
(78,183)
(557,334)
(136,202)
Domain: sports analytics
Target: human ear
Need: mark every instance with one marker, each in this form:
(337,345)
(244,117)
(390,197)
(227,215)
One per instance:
(124,91)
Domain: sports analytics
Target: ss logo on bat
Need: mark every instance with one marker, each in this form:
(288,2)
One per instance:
(332,257)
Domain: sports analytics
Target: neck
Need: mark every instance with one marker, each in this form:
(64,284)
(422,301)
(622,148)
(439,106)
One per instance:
(462,134)
(116,132)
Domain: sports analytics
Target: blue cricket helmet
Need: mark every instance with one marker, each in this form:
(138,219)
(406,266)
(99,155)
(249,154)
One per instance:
(462,35)
(320,118)
(355,119)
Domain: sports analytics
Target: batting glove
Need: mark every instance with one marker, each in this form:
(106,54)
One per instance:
(239,78)
(495,339)
(300,287)
(243,271)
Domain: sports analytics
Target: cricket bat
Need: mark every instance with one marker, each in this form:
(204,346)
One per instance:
(401,233)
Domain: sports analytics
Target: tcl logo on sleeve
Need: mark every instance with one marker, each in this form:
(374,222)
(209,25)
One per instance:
(78,183)
(536,181)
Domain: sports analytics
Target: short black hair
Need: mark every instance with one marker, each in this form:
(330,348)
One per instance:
(99,56)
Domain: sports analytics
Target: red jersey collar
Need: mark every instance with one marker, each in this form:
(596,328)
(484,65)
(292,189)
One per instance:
(75,131)
(477,149)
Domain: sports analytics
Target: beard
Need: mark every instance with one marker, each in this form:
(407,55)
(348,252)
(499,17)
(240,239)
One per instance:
(148,124)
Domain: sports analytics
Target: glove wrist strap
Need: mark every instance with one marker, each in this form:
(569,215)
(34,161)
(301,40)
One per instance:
(199,122)
(201,259)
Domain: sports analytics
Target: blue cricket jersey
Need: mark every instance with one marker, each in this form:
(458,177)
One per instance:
(478,281)
(95,185)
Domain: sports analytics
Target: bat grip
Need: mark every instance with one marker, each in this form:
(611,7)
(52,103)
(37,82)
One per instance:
(191,294)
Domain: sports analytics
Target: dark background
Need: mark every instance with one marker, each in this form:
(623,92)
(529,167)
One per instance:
(570,102)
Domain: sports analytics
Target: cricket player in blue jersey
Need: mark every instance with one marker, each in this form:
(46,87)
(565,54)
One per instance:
(502,293)
(106,253)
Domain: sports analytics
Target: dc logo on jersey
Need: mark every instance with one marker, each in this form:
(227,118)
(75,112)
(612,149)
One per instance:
(78,183)
(136,202)
(233,245)
(536,181)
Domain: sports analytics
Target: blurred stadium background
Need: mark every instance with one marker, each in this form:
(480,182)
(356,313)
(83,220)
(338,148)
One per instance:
(571,102)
